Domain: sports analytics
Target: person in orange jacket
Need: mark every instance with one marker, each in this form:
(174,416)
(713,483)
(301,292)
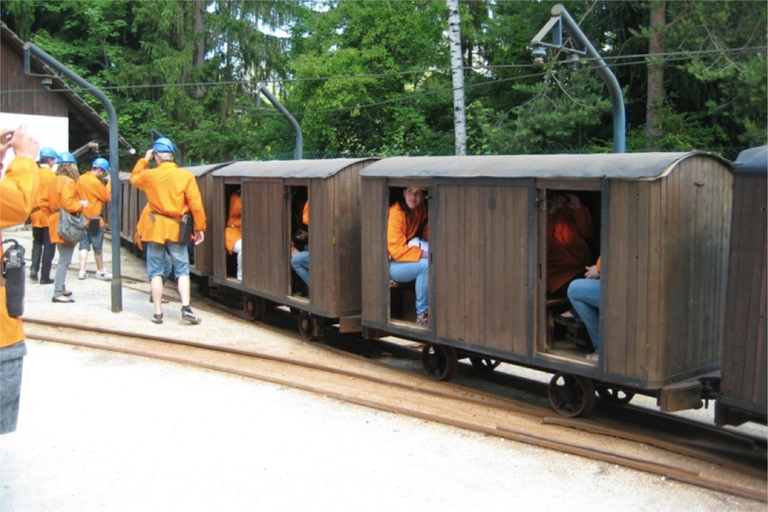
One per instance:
(18,188)
(408,246)
(43,250)
(62,193)
(569,226)
(91,188)
(233,232)
(300,259)
(171,194)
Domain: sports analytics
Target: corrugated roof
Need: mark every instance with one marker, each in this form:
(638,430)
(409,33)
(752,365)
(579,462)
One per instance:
(638,166)
(289,168)
(199,170)
(752,161)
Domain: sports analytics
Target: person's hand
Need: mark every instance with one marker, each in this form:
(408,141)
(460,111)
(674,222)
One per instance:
(199,237)
(84,202)
(592,272)
(573,201)
(22,143)
(294,251)
(558,201)
(149,155)
(424,254)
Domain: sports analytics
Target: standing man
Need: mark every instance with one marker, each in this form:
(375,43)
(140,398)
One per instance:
(42,248)
(17,188)
(91,188)
(171,194)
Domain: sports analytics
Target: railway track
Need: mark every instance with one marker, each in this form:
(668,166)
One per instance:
(693,453)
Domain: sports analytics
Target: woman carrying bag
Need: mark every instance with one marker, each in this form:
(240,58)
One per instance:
(62,193)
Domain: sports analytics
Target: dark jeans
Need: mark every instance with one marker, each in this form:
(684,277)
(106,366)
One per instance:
(42,249)
(11,362)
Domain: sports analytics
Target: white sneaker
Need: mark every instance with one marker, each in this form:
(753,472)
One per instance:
(81,274)
(593,357)
(103,275)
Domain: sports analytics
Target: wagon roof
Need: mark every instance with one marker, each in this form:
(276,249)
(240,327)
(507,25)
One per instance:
(639,166)
(200,170)
(289,168)
(752,161)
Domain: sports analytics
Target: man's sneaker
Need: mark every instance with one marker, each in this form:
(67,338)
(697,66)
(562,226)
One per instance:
(189,316)
(422,319)
(103,274)
(81,274)
(593,357)
(158,319)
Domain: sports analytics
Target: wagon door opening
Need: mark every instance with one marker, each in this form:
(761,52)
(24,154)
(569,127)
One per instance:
(298,221)
(569,234)
(233,231)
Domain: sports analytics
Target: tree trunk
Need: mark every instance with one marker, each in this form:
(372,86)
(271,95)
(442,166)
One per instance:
(459,113)
(199,59)
(656,46)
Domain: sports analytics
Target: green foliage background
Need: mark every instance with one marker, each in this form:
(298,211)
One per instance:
(373,77)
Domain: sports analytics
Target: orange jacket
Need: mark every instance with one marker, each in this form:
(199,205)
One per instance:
(171,193)
(401,227)
(91,188)
(305,214)
(234,229)
(37,217)
(61,193)
(567,248)
(17,190)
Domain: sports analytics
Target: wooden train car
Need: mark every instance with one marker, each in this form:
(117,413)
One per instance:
(743,383)
(273,195)
(661,226)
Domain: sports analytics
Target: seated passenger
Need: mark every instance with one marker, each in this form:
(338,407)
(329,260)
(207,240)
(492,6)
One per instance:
(407,244)
(569,226)
(584,295)
(233,233)
(300,259)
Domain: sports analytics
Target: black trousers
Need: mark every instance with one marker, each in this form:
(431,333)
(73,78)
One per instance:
(42,249)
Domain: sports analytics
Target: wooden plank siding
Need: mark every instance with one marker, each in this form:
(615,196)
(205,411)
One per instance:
(204,252)
(482,264)
(23,94)
(265,236)
(664,272)
(373,218)
(744,331)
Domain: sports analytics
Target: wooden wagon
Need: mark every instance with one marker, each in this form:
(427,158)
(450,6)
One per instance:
(743,384)
(661,225)
(273,195)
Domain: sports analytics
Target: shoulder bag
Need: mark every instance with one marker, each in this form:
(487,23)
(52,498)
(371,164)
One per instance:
(71,226)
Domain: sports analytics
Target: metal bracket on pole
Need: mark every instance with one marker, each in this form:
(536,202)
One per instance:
(114,163)
(560,20)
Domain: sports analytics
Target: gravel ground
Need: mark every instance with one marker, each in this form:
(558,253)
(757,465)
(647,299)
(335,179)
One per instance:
(106,431)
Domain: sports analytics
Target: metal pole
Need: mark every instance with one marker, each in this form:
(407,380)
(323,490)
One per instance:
(291,119)
(114,163)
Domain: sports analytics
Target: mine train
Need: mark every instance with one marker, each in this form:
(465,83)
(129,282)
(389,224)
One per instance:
(682,238)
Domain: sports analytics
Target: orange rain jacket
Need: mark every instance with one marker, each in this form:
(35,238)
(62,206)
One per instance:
(234,229)
(90,187)
(37,218)
(401,227)
(171,193)
(567,250)
(61,193)
(17,190)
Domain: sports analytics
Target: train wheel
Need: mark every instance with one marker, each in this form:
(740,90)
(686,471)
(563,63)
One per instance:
(616,396)
(440,362)
(310,326)
(571,395)
(484,365)
(255,306)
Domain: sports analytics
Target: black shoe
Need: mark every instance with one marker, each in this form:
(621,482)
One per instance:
(33,275)
(62,300)
(66,293)
(46,281)
(158,319)
(189,316)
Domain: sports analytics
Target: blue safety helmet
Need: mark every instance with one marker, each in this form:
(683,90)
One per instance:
(48,152)
(163,145)
(65,157)
(101,163)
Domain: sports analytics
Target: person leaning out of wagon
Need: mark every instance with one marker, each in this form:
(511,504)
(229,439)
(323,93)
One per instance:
(408,246)
(584,295)
(43,250)
(233,232)
(569,226)
(91,188)
(300,259)
(18,188)
(62,193)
